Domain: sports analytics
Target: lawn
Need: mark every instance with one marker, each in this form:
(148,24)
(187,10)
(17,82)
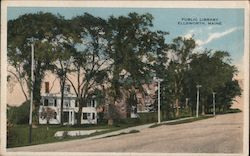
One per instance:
(183,121)
(45,133)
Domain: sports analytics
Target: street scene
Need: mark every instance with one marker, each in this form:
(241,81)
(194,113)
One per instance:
(212,135)
(126,80)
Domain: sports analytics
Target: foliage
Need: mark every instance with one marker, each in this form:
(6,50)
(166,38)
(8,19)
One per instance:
(42,134)
(112,113)
(10,133)
(226,95)
(89,59)
(113,58)
(19,115)
(132,47)
(43,28)
(47,114)
(172,67)
(215,74)
(182,121)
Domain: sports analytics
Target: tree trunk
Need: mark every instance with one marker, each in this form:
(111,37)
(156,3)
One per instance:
(203,109)
(173,111)
(207,110)
(110,122)
(79,115)
(62,99)
(177,107)
(38,76)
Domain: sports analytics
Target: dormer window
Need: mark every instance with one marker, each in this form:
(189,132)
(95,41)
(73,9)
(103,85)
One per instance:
(91,103)
(66,89)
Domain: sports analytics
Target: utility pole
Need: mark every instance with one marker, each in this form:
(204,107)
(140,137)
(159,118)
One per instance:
(159,102)
(198,96)
(159,98)
(214,102)
(31,89)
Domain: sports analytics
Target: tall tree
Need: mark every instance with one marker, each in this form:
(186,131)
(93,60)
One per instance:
(212,70)
(132,46)
(43,27)
(90,62)
(181,49)
(63,51)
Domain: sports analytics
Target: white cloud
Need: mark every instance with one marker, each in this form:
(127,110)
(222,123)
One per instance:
(210,35)
(189,35)
(216,35)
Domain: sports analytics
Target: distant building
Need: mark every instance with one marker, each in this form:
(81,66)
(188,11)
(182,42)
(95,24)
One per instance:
(50,108)
(145,102)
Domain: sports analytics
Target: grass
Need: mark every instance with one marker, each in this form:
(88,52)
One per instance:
(45,133)
(234,110)
(40,135)
(182,121)
(231,110)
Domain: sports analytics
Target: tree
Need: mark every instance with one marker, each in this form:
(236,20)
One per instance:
(63,51)
(90,62)
(113,113)
(43,27)
(19,115)
(213,71)
(181,49)
(131,103)
(225,95)
(48,114)
(132,46)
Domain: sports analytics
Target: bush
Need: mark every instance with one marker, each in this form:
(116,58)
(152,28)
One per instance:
(19,115)
(10,133)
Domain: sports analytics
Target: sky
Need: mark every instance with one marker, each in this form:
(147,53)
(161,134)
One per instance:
(226,34)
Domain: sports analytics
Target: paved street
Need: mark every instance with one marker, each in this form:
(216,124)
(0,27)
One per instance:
(222,134)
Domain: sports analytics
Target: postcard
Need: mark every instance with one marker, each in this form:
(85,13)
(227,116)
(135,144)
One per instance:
(124,78)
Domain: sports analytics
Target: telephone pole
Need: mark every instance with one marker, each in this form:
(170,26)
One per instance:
(31,90)
(198,96)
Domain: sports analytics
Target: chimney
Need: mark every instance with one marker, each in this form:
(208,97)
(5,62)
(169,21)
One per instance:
(46,87)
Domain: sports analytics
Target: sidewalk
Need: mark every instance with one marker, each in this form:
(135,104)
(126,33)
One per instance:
(127,130)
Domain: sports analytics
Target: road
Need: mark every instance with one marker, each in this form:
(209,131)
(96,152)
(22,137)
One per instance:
(223,134)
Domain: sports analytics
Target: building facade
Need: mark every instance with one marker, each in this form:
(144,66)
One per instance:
(50,108)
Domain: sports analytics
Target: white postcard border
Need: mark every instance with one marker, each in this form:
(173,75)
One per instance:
(121,4)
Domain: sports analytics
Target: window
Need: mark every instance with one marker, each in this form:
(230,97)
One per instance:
(66,103)
(89,103)
(55,102)
(46,87)
(76,103)
(67,89)
(93,103)
(46,102)
(66,117)
(89,116)
(51,102)
(93,116)
(84,116)
(55,114)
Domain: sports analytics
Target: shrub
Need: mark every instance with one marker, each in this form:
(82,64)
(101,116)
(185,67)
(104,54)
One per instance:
(19,115)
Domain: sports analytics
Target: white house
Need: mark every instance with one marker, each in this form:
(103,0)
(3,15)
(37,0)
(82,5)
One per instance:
(50,108)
